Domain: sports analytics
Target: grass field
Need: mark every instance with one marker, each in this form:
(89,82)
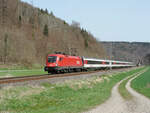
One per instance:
(142,83)
(71,97)
(123,91)
(19,67)
(12,73)
(17,70)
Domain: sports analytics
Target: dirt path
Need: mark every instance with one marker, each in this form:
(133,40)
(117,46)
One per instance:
(116,104)
(139,104)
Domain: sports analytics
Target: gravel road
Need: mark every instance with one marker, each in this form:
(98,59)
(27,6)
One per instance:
(116,104)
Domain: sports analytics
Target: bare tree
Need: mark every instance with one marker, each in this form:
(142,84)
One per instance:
(3,12)
(147,59)
(75,24)
(3,18)
(5,48)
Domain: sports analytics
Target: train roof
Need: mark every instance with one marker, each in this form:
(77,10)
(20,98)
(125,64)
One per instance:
(94,59)
(63,55)
(85,58)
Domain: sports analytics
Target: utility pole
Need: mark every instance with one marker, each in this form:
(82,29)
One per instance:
(111,55)
(110,51)
(69,50)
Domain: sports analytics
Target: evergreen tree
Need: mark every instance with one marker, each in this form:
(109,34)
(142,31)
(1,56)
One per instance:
(20,18)
(46,11)
(45,31)
(52,13)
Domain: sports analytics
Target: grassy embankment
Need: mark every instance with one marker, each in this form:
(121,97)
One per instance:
(20,67)
(13,73)
(122,89)
(17,70)
(142,83)
(71,97)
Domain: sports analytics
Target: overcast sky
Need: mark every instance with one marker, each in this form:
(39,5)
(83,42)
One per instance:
(107,20)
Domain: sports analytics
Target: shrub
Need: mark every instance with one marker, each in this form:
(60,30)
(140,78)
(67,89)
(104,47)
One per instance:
(45,31)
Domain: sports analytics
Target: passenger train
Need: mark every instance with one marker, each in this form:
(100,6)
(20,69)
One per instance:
(61,63)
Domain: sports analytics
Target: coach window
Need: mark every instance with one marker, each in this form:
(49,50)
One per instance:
(93,62)
(107,63)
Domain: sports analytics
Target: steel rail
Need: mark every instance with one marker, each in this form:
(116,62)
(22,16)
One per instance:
(39,77)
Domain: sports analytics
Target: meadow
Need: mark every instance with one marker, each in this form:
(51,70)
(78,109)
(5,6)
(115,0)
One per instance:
(68,97)
(14,73)
(142,83)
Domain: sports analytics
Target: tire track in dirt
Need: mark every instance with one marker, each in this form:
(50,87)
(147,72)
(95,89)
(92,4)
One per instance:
(140,103)
(116,104)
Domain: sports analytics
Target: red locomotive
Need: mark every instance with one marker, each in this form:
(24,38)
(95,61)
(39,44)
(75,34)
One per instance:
(56,63)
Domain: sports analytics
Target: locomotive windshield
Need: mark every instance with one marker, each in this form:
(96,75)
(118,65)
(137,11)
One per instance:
(52,59)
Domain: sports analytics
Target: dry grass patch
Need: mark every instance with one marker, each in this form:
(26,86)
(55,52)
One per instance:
(10,92)
(148,85)
(31,92)
(78,84)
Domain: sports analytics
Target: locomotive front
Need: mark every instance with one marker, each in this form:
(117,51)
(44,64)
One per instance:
(51,63)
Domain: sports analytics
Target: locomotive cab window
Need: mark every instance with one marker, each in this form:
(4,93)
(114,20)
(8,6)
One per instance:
(52,59)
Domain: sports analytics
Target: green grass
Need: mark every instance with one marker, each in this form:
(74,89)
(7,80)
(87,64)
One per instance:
(63,98)
(123,91)
(19,70)
(142,83)
(20,67)
(21,73)
(15,67)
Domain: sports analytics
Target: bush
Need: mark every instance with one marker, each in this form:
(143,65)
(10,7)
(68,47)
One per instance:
(45,31)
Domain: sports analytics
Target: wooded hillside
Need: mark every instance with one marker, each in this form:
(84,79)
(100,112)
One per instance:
(28,34)
(128,51)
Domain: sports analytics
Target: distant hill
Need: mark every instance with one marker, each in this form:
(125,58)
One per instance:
(28,34)
(127,51)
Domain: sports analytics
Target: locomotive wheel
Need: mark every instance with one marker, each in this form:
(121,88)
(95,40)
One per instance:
(69,71)
(79,70)
(49,72)
(58,71)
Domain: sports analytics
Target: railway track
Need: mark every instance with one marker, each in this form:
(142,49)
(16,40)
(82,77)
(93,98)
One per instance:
(40,77)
